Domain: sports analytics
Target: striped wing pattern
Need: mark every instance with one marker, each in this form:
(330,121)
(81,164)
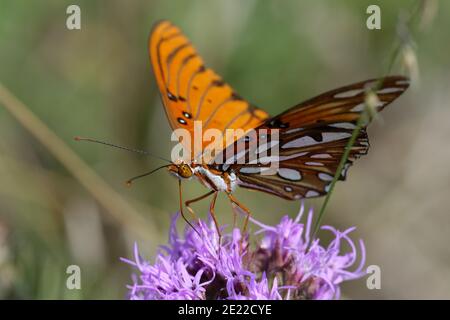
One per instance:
(312,139)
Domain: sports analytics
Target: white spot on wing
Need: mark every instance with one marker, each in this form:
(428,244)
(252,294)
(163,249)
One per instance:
(360,107)
(312,163)
(288,189)
(308,141)
(253,169)
(348,94)
(333,136)
(311,193)
(289,174)
(344,171)
(300,142)
(325,176)
(321,156)
(292,156)
(265,160)
(389,90)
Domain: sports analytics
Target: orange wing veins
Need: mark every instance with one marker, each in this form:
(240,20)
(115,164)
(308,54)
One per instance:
(192,92)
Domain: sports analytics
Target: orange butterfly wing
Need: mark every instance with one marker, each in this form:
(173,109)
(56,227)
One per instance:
(192,92)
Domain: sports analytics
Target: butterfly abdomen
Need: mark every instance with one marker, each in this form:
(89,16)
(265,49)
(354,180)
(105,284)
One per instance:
(214,179)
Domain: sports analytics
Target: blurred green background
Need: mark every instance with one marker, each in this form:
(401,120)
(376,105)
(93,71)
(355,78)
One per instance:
(97,82)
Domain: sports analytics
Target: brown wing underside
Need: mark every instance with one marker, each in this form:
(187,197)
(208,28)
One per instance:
(312,139)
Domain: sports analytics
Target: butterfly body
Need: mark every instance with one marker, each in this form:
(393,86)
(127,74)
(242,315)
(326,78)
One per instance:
(207,175)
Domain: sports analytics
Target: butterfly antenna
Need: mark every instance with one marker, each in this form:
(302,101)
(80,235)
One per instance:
(130,181)
(121,147)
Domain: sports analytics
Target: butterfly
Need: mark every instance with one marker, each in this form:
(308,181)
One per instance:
(311,136)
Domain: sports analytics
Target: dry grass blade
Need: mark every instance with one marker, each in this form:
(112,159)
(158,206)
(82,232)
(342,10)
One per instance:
(117,207)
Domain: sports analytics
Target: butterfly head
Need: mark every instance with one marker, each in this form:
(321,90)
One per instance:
(181,170)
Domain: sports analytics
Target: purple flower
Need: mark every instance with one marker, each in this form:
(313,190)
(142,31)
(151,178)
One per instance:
(283,263)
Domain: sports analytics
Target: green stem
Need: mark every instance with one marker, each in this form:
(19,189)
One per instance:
(360,122)
(344,158)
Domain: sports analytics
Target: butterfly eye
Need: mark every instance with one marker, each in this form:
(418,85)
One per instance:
(184,171)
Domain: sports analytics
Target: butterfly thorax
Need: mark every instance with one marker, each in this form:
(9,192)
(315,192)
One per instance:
(209,176)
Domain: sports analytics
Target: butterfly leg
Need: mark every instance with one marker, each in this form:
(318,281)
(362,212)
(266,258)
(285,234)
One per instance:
(189,202)
(243,208)
(181,207)
(234,215)
(211,211)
